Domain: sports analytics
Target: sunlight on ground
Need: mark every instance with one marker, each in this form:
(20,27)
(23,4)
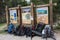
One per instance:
(2,28)
(2,24)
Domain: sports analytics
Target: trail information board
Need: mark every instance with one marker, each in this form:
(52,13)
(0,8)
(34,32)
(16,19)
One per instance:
(13,16)
(42,15)
(26,15)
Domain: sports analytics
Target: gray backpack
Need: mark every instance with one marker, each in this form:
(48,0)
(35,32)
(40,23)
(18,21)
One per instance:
(46,32)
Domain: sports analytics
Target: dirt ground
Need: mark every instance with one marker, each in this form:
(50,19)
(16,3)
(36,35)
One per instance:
(12,37)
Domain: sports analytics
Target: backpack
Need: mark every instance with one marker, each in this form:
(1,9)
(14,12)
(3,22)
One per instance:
(28,31)
(46,32)
(10,28)
(20,31)
(40,27)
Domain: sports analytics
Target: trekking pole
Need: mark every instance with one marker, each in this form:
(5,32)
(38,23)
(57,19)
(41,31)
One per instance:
(31,34)
(31,37)
(53,37)
(46,34)
(46,38)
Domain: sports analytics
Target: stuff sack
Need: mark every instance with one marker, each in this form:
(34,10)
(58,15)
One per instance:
(10,28)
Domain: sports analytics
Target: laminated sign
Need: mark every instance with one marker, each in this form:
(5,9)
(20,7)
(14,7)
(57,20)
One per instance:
(26,14)
(13,16)
(42,15)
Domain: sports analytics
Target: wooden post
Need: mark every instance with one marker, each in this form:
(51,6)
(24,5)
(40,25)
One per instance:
(32,12)
(51,13)
(35,16)
(19,15)
(7,18)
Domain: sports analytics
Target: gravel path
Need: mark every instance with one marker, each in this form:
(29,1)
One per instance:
(12,37)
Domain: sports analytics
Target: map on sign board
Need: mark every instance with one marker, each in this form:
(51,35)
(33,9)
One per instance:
(13,16)
(42,15)
(26,13)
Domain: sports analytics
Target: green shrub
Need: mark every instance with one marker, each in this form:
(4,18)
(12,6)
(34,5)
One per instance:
(57,27)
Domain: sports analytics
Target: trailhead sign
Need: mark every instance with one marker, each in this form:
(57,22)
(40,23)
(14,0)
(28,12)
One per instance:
(42,15)
(13,16)
(26,14)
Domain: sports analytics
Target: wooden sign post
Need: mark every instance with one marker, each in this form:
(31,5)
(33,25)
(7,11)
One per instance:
(7,18)
(51,13)
(19,15)
(32,13)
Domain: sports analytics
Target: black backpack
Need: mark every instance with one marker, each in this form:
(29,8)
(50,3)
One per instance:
(20,31)
(40,27)
(28,31)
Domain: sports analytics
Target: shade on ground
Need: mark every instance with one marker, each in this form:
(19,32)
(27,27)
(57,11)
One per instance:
(12,37)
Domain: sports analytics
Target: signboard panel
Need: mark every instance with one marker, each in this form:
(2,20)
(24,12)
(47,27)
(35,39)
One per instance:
(42,15)
(13,16)
(26,14)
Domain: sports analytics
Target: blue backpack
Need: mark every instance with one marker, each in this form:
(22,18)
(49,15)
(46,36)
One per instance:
(10,28)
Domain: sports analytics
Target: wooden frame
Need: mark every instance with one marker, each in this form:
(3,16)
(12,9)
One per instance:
(33,13)
(7,12)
